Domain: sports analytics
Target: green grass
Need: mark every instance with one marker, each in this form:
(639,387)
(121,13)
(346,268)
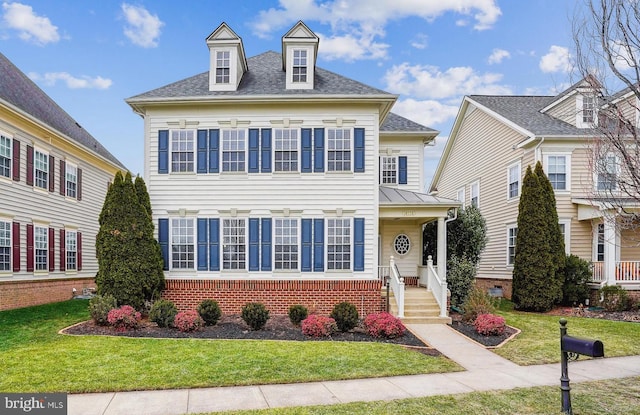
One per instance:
(38,359)
(539,341)
(610,397)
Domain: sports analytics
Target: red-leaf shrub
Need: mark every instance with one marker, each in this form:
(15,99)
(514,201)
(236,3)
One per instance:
(188,321)
(384,325)
(489,324)
(318,326)
(124,318)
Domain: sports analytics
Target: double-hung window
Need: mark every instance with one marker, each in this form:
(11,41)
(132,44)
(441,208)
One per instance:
(460,195)
(5,246)
(286,149)
(512,233)
(182,243)
(182,150)
(71,249)
(223,67)
(338,244)
(388,170)
(475,194)
(513,181)
(607,173)
(286,244)
(41,248)
(299,65)
(234,244)
(234,145)
(41,169)
(588,109)
(558,171)
(339,149)
(5,156)
(71,180)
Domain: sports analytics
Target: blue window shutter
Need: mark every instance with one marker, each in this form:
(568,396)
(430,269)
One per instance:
(318,149)
(307,244)
(265,244)
(202,151)
(163,151)
(358,244)
(265,166)
(254,244)
(203,241)
(318,244)
(254,148)
(163,239)
(402,170)
(214,151)
(358,147)
(306,149)
(214,244)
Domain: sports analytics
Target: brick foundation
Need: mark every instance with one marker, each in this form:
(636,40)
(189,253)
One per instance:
(486,283)
(318,296)
(17,294)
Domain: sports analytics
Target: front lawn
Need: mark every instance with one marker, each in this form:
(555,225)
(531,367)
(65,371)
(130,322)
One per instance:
(38,359)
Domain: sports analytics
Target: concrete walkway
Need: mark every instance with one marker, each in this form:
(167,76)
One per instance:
(484,371)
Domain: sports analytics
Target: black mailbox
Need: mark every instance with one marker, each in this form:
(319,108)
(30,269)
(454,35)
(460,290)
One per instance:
(593,348)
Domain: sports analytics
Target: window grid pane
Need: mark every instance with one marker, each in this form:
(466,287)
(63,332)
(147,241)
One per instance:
(71,246)
(5,156)
(389,170)
(608,173)
(557,172)
(234,250)
(41,167)
(339,244)
(514,181)
(588,106)
(513,233)
(5,246)
(339,149)
(182,243)
(286,244)
(299,66)
(71,180)
(286,149)
(223,67)
(233,150)
(41,248)
(182,150)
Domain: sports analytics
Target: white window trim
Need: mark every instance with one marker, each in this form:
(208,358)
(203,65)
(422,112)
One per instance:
(35,249)
(567,234)
(381,157)
(246,152)
(10,228)
(471,186)
(195,244)
(246,245)
(519,167)
(326,245)
(66,251)
(194,152)
(68,164)
(233,69)
(596,175)
(580,123)
(8,137)
(460,190)
(273,244)
(594,249)
(310,67)
(509,227)
(567,156)
(46,153)
(351,150)
(274,151)
(216,67)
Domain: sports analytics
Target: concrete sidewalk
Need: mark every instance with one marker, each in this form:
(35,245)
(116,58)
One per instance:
(485,371)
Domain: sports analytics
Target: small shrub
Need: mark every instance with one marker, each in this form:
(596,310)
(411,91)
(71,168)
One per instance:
(478,302)
(163,312)
(614,298)
(577,274)
(489,325)
(99,307)
(297,313)
(124,318)
(210,312)
(384,325)
(461,273)
(346,316)
(318,326)
(188,321)
(255,315)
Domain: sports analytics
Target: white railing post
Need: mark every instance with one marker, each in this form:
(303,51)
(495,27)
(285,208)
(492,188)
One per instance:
(429,269)
(438,287)
(397,285)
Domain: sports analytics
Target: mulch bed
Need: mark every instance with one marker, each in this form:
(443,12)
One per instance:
(631,316)
(470,331)
(233,327)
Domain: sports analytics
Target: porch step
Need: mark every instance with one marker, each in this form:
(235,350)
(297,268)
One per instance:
(420,307)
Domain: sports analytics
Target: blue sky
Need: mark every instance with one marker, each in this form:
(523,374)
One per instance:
(91,55)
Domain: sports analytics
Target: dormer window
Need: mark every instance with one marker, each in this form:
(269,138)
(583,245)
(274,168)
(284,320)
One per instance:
(299,53)
(223,67)
(227,62)
(299,65)
(588,109)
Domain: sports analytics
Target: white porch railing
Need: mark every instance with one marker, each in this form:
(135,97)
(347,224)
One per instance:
(437,286)
(598,272)
(396,282)
(626,272)
(383,273)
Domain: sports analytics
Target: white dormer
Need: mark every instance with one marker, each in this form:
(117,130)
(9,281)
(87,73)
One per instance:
(227,59)
(299,53)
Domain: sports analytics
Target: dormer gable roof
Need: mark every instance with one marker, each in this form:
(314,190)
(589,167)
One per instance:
(223,35)
(589,82)
(301,33)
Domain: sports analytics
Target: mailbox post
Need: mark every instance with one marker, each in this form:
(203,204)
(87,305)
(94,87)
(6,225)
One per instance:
(570,348)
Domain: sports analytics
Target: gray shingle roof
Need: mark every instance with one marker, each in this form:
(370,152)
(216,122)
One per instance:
(397,123)
(18,90)
(525,112)
(393,196)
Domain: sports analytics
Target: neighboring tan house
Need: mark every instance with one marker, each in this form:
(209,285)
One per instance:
(495,138)
(53,179)
(277,181)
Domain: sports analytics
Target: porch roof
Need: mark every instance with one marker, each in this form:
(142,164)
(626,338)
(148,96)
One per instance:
(596,207)
(389,196)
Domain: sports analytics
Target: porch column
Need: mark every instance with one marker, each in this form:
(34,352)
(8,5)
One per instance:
(609,251)
(442,249)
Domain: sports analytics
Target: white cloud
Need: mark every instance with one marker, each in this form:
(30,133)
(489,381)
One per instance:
(498,55)
(350,48)
(84,82)
(430,82)
(427,112)
(30,26)
(143,27)
(420,41)
(558,59)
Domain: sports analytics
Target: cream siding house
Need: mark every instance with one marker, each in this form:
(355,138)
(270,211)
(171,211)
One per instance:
(53,179)
(494,139)
(270,184)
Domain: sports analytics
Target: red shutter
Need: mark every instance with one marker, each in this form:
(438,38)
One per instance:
(52,172)
(16,160)
(15,235)
(79,250)
(79,186)
(63,178)
(30,169)
(52,250)
(30,252)
(63,251)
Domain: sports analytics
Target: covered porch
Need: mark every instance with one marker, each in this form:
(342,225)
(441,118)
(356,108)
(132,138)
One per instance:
(413,287)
